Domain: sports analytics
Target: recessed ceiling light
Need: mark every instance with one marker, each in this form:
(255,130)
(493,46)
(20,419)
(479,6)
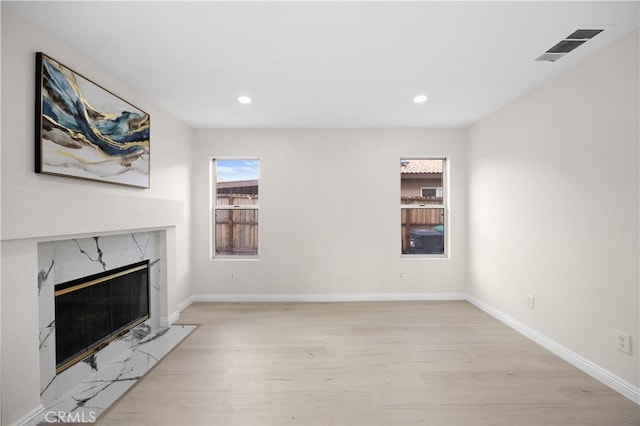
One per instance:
(244,100)
(420,99)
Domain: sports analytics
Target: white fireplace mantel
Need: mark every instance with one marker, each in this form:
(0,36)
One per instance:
(53,216)
(97,214)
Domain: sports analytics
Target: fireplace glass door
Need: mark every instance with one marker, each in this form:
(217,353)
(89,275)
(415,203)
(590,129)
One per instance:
(94,310)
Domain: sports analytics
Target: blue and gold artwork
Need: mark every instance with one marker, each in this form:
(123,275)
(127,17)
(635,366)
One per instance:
(85,131)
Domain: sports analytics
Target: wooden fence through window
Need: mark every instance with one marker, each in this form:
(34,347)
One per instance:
(236,228)
(419,218)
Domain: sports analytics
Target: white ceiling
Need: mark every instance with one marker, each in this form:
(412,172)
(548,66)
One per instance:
(328,64)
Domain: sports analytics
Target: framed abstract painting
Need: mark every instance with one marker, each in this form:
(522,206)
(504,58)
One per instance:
(85,131)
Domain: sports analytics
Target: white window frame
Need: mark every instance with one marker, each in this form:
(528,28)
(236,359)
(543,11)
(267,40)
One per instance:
(438,189)
(444,206)
(213,208)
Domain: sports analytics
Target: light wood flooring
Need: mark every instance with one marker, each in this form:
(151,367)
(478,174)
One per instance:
(382,363)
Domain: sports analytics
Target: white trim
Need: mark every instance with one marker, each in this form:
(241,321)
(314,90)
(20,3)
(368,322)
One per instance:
(344,297)
(445,205)
(235,258)
(185,304)
(175,315)
(422,206)
(213,207)
(168,321)
(31,416)
(237,207)
(616,383)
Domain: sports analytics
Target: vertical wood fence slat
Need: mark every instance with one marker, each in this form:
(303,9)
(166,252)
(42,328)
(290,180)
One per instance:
(236,231)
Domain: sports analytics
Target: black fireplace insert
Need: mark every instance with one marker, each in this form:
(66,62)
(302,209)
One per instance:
(92,311)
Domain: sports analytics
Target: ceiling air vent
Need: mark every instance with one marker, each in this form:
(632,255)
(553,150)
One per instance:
(575,39)
(550,57)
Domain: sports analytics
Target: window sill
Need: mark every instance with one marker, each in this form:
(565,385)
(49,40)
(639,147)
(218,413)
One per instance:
(425,256)
(236,258)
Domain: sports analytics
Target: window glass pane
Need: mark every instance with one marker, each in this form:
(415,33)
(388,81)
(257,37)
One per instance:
(236,182)
(421,181)
(236,232)
(422,231)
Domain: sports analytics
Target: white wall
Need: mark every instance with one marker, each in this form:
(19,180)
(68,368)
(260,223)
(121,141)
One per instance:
(552,189)
(41,207)
(330,217)
(0,228)
(553,185)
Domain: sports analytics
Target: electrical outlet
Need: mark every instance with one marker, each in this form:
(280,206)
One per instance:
(232,277)
(401,276)
(623,342)
(531,301)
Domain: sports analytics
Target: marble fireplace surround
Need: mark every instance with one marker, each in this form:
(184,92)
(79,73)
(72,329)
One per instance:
(80,214)
(66,260)
(125,359)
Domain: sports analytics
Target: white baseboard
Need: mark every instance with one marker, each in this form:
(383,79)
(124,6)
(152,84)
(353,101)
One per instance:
(185,303)
(344,297)
(31,416)
(168,321)
(616,383)
(175,316)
